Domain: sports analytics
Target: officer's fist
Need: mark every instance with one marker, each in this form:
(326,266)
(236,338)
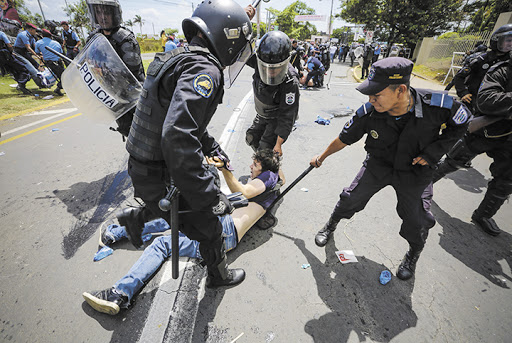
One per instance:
(223,206)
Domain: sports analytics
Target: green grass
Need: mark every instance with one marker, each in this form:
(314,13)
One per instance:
(14,101)
(429,73)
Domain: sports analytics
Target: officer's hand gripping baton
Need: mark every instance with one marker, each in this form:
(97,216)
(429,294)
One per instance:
(64,57)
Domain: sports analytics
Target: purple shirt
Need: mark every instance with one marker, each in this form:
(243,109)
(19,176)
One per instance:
(269,180)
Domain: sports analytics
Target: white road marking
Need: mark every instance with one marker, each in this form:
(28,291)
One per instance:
(38,122)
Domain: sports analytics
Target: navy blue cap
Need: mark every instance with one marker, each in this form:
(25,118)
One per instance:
(388,71)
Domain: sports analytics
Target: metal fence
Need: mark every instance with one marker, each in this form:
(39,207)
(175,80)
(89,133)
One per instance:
(437,54)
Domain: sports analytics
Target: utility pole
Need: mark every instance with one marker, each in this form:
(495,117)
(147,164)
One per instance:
(39,2)
(330,19)
(154,34)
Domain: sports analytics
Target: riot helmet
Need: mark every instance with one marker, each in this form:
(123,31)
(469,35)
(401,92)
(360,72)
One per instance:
(228,31)
(273,56)
(105,14)
(501,39)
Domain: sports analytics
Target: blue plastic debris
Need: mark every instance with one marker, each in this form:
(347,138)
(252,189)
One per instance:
(385,277)
(53,130)
(322,121)
(102,253)
(306,266)
(231,130)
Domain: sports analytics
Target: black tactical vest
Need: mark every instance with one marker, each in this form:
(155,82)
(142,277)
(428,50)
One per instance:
(70,42)
(144,140)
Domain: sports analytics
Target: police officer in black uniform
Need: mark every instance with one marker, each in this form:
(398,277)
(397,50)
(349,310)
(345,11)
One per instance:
(70,40)
(276,93)
(168,138)
(296,57)
(13,64)
(106,17)
(403,143)
(494,139)
(468,79)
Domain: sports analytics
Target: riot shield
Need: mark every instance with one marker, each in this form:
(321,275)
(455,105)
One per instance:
(99,83)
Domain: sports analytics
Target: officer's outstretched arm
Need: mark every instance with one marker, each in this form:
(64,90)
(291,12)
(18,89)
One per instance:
(335,146)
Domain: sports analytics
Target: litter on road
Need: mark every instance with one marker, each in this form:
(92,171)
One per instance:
(102,253)
(305,266)
(346,256)
(322,121)
(385,277)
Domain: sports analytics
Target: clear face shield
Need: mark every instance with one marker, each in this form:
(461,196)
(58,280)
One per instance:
(231,72)
(273,74)
(504,41)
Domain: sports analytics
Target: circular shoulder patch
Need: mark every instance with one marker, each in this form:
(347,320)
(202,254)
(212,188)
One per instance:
(371,74)
(203,84)
(374,134)
(485,66)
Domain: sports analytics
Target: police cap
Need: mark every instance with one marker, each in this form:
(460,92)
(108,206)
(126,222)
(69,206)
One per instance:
(388,71)
(30,26)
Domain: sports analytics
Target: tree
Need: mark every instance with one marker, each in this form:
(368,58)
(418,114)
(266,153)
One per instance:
(403,21)
(483,14)
(129,23)
(138,20)
(286,20)
(79,15)
(169,31)
(344,34)
(263,29)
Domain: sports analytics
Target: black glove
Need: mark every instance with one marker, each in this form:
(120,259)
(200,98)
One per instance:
(223,206)
(124,123)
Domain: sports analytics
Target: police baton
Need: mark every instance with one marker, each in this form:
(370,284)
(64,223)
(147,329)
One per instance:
(64,57)
(296,181)
(171,203)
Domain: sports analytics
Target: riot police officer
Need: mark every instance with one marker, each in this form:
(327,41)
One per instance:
(468,79)
(168,139)
(495,139)
(106,17)
(276,93)
(403,143)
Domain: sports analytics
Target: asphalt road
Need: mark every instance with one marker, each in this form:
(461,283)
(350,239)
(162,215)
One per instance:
(61,181)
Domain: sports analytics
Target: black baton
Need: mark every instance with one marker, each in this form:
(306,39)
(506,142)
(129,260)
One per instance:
(170,203)
(64,57)
(296,181)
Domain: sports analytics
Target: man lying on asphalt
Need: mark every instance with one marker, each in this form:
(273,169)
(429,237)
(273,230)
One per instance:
(260,192)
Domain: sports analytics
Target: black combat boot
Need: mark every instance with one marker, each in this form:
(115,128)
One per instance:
(408,266)
(133,219)
(487,209)
(322,237)
(218,273)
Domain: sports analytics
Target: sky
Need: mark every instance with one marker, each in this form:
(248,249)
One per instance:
(160,14)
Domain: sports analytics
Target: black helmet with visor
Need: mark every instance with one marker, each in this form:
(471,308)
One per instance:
(273,56)
(105,14)
(501,39)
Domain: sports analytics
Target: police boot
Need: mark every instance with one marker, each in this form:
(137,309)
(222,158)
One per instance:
(218,273)
(322,237)
(408,266)
(133,219)
(487,209)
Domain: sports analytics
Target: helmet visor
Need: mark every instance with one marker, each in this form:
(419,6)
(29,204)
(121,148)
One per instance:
(231,72)
(105,14)
(273,74)
(504,41)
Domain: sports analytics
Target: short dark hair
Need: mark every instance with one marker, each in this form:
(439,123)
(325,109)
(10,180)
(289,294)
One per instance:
(268,160)
(294,41)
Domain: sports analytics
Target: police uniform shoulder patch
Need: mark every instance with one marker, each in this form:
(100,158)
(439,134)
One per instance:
(348,123)
(461,116)
(364,110)
(203,84)
(290,98)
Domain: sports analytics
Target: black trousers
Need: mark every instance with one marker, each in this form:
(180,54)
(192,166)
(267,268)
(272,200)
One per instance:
(261,134)
(57,68)
(149,182)
(413,207)
(24,52)
(18,70)
(364,69)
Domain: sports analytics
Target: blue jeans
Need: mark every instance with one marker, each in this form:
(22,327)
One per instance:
(160,249)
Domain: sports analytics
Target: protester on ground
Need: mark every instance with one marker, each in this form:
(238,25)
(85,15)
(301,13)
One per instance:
(403,145)
(168,138)
(51,60)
